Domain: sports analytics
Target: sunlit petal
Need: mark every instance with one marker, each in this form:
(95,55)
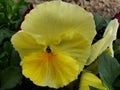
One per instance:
(53,70)
(58,17)
(101,45)
(76,46)
(88,79)
(25,43)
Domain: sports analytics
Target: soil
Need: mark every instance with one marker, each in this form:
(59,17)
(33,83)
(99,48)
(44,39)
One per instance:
(105,8)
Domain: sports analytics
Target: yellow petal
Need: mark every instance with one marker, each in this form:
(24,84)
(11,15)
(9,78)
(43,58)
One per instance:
(76,46)
(88,79)
(53,18)
(109,50)
(53,70)
(101,45)
(25,43)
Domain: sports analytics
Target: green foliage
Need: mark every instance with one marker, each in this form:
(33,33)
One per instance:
(100,21)
(10,17)
(93,88)
(117,50)
(101,24)
(108,67)
(10,77)
(10,13)
(5,33)
(109,70)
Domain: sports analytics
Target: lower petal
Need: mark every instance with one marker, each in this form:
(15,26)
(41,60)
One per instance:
(55,70)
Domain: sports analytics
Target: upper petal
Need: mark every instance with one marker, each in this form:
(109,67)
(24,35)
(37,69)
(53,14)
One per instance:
(53,18)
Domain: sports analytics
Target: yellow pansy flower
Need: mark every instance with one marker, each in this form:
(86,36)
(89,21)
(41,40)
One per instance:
(54,43)
(105,43)
(88,79)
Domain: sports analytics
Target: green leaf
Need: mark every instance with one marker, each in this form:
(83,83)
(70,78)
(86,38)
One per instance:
(3,60)
(10,77)
(116,47)
(117,82)
(9,12)
(8,47)
(100,21)
(93,88)
(109,69)
(5,34)
(15,58)
(23,6)
(2,18)
(9,5)
(3,54)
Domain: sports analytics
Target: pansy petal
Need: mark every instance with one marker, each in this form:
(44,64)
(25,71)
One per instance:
(110,50)
(24,43)
(88,79)
(76,46)
(101,45)
(53,70)
(53,18)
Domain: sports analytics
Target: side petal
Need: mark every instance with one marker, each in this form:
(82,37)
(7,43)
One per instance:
(88,79)
(108,37)
(25,43)
(76,46)
(53,18)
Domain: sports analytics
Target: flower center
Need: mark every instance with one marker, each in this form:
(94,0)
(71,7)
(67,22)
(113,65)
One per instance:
(48,50)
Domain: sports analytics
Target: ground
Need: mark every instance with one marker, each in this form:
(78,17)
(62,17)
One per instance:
(105,8)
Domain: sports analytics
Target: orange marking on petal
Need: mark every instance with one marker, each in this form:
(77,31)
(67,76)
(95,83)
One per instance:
(48,56)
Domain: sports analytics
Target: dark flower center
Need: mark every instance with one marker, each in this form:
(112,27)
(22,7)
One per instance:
(48,50)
